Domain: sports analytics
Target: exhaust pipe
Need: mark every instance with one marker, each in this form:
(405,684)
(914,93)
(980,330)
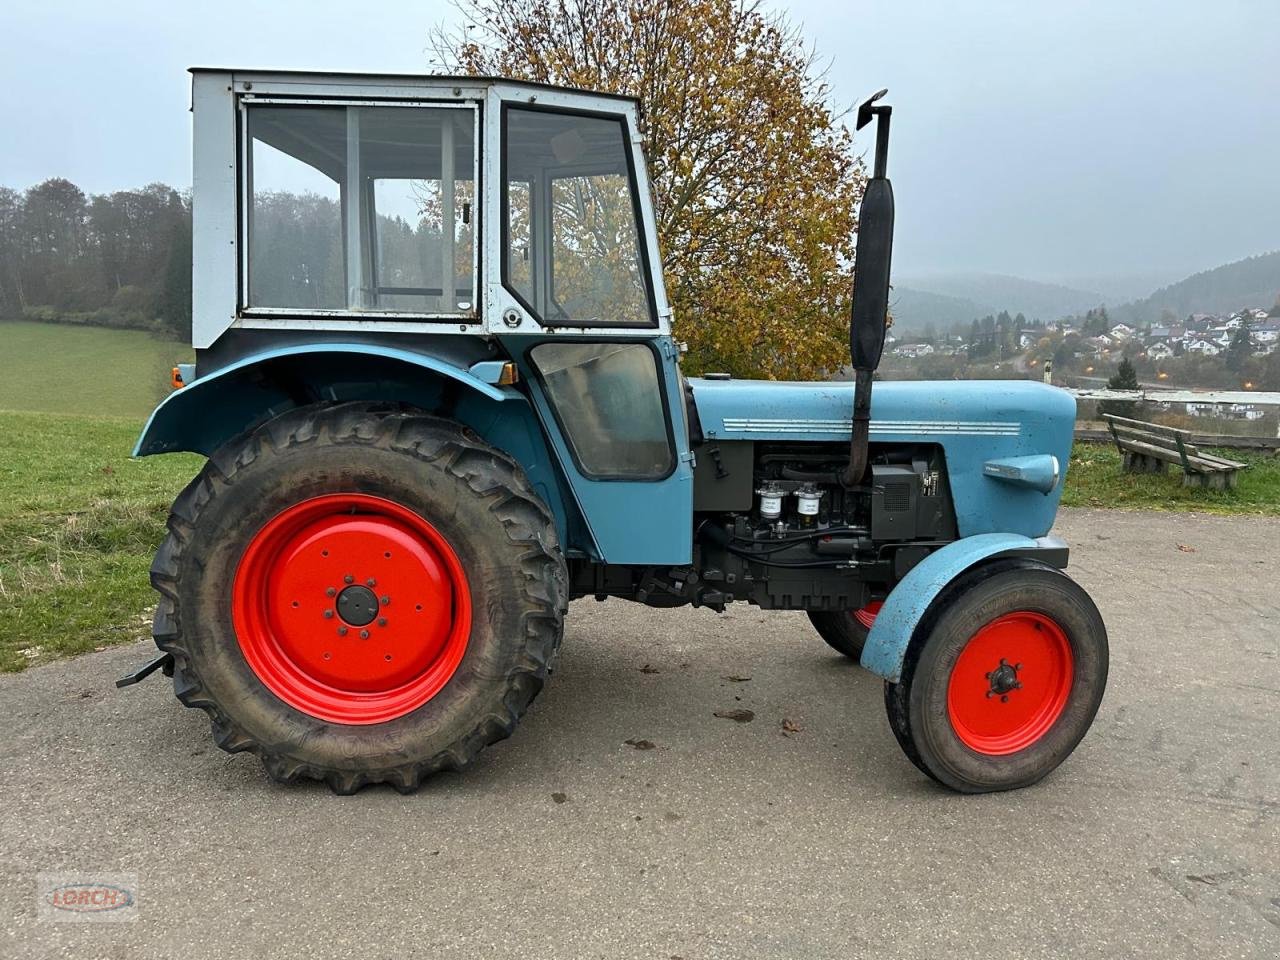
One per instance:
(860,441)
(870,310)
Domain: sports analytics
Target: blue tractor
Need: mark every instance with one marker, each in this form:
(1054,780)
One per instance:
(438,393)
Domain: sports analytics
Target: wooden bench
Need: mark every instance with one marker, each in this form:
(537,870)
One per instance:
(1149,447)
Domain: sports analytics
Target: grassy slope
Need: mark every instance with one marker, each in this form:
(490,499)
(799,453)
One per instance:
(66,369)
(79,522)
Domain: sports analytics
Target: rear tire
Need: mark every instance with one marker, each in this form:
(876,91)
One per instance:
(842,631)
(1002,679)
(249,601)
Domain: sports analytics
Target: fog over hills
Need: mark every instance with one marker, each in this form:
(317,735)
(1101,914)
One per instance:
(1252,282)
(946,300)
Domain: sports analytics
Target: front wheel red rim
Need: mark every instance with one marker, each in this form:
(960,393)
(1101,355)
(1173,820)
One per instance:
(1010,683)
(351,608)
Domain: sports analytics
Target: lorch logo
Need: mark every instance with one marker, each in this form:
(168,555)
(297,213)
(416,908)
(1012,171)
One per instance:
(90,897)
(101,897)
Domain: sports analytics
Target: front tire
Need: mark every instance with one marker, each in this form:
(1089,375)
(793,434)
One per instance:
(1002,680)
(360,596)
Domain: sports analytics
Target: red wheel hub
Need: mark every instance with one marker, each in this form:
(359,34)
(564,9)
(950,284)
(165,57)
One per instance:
(351,608)
(1010,683)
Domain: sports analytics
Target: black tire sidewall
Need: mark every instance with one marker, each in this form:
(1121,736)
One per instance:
(325,465)
(965,609)
(841,631)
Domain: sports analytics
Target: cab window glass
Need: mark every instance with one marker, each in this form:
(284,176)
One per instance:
(361,209)
(608,400)
(572,234)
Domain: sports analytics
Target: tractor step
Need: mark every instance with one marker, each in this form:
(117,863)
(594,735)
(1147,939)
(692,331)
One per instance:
(163,662)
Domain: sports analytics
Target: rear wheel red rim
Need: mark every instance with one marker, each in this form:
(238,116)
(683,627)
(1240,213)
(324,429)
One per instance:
(351,608)
(1010,683)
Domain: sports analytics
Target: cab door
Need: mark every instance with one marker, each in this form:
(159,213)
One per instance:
(579,302)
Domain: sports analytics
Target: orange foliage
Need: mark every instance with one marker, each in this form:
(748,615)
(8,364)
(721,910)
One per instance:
(755,181)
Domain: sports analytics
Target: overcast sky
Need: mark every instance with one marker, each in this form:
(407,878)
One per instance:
(1055,140)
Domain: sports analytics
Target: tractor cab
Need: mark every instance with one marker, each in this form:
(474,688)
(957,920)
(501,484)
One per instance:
(469,224)
(419,205)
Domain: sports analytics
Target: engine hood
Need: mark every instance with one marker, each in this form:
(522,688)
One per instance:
(974,421)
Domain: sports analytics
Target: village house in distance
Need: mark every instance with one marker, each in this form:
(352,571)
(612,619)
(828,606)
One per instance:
(1235,351)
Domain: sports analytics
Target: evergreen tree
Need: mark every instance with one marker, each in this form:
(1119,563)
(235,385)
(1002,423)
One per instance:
(1126,377)
(1239,349)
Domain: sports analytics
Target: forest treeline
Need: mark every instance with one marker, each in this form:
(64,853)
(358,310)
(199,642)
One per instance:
(118,259)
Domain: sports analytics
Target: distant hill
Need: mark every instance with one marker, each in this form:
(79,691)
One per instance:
(947,299)
(915,309)
(944,300)
(1252,282)
(1123,287)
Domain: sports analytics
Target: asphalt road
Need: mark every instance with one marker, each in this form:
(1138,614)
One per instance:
(1160,837)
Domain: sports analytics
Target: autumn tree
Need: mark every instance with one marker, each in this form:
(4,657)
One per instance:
(755,181)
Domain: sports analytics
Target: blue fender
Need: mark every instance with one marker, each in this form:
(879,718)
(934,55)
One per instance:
(886,645)
(189,419)
(213,409)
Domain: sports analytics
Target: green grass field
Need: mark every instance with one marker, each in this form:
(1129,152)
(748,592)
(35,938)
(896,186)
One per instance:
(1095,479)
(80,520)
(65,369)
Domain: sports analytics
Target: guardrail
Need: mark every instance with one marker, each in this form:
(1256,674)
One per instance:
(1253,397)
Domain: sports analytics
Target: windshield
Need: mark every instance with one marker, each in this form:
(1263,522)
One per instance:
(572,243)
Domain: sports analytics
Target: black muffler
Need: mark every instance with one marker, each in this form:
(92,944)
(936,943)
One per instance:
(870,312)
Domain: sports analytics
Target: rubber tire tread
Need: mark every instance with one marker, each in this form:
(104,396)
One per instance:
(517,615)
(926,737)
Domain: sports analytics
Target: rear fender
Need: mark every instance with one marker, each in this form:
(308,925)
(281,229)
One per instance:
(886,645)
(210,411)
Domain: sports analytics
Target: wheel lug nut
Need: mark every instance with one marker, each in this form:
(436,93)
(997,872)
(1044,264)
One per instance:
(330,592)
(371,582)
(328,614)
(342,631)
(364,635)
(385,601)
(1004,698)
(382,621)
(348,579)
